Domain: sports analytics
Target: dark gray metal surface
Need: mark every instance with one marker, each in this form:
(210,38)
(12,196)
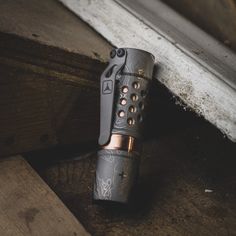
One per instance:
(124,88)
(192,64)
(134,111)
(107,95)
(115,175)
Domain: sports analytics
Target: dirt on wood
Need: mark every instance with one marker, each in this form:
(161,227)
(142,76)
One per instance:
(187,185)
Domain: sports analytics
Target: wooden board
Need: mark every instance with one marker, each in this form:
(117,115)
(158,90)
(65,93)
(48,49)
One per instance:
(186,184)
(50,65)
(47,96)
(29,207)
(48,22)
(221,24)
(191,64)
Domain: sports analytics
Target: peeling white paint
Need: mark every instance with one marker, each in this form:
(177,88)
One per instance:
(200,86)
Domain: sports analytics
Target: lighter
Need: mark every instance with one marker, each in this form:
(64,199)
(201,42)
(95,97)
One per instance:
(124,88)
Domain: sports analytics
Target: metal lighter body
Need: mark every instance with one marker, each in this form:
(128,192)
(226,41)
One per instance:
(124,87)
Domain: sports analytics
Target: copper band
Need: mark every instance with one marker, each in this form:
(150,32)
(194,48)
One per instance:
(123,142)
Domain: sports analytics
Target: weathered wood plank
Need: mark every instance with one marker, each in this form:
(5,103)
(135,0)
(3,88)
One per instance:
(50,65)
(221,24)
(48,96)
(48,22)
(29,207)
(192,65)
(171,197)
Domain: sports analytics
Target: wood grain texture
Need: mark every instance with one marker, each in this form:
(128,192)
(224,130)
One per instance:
(222,20)
(50,64)
(203,77)
(48,22)
(176,169)
(29,207)
(48,96)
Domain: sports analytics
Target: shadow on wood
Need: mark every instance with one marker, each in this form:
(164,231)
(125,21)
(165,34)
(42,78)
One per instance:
(29,206)
(48,96)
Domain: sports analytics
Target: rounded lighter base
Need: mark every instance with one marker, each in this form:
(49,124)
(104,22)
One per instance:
(116,174)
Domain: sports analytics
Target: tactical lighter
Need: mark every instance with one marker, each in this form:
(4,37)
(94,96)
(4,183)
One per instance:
(124,88)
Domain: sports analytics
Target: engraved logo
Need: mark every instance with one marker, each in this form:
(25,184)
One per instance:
(107,86)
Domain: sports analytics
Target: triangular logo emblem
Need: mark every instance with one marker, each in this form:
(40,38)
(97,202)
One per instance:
(107,86)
